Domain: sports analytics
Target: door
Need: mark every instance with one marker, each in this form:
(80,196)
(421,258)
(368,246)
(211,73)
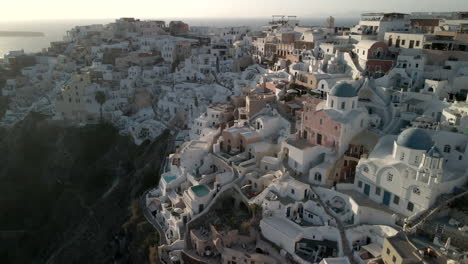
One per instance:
(386,198)
(366,189)
(319,139)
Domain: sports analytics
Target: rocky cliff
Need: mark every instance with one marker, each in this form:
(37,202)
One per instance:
(69,195)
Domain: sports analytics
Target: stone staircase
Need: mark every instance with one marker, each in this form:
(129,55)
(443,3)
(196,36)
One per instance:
(414,223)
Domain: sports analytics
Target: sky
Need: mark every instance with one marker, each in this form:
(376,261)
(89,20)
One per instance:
(21,10)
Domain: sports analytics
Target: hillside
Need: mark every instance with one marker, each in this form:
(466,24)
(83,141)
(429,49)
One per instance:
(69,195)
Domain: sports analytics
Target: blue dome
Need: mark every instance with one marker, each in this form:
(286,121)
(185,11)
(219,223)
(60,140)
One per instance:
(415,138)
(343,90)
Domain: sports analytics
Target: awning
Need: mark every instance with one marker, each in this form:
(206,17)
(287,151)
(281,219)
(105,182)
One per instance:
(373,248)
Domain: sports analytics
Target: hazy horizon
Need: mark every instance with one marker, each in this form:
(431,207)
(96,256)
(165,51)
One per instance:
(33,10)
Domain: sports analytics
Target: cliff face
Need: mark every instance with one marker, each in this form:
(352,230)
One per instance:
(68,195)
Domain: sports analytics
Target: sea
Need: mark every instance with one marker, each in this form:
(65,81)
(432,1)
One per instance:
(55,30)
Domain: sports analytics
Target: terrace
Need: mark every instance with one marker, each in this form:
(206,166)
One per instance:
(299,143)
(316,250)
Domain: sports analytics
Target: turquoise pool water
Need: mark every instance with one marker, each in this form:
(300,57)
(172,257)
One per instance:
(200,190)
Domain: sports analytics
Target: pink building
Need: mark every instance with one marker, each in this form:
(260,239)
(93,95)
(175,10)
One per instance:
(374,56)
(324,134)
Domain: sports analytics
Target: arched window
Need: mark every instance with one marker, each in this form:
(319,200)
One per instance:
(318,176)
(447,148)
(416,191)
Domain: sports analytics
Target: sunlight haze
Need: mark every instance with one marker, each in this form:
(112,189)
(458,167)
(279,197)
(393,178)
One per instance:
(91,9)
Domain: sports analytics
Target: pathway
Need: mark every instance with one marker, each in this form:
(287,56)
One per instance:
(344,240)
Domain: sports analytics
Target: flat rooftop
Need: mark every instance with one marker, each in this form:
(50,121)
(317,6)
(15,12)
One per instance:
(363,200)
(299,143)
(198,145)
(402,246)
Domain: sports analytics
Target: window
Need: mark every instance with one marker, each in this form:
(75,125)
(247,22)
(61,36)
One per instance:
(377,191)
(416,191)
(292,191)
(402,156)
(332,103)
(447,148)
(394,259)
(343,105)
(365,169)
(318,176)
(396,199)
(388,251)
(353,105)
(403,42)
(362,123)
(321,121)
(410,206)
(359,184)
(390,176)
(416,159)
(417,43)
(417,65)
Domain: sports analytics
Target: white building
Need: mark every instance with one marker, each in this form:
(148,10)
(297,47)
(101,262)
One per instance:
(405,40)
(374,25)
(407,173)
(209,122)
(76,100)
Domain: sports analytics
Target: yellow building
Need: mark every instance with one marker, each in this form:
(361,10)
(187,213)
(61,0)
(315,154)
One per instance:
(76,101)
(397,250)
